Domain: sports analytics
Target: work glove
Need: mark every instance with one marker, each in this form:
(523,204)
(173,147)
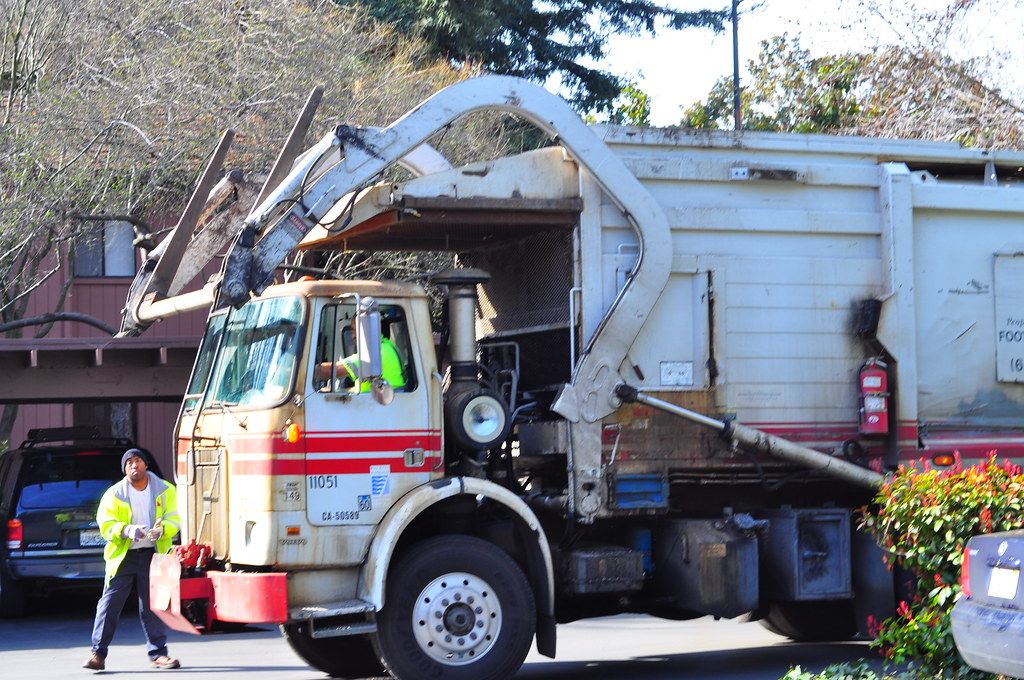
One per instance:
(156,532)
(135,532)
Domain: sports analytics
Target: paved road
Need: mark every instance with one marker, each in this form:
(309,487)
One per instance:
(53,643)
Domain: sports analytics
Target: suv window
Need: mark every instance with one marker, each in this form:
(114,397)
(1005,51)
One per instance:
(50,480)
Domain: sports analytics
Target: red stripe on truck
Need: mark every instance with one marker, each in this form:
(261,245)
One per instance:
(355,466)
(327,466)
(370,444)
(269,466)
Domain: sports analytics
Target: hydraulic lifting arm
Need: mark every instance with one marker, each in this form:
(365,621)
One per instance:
(348,159)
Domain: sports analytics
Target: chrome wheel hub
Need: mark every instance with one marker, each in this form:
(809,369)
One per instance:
(456,618)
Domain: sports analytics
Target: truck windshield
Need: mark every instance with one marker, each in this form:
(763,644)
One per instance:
(256,364)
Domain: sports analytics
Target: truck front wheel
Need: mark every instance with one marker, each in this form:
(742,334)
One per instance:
(350,656)
(457,608)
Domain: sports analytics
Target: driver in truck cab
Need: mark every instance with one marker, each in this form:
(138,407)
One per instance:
(391,367)
(346,369)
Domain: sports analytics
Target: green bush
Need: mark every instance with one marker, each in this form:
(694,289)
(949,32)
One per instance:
(846,671)
(924,519)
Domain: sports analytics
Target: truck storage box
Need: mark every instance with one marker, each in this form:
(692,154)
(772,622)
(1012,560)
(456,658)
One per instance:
(807,554)
(602,570)
(708,566)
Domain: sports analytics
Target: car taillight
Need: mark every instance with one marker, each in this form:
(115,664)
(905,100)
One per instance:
(965,573)
(15,534)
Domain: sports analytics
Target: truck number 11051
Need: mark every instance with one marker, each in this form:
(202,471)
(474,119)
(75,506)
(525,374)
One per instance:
(323,481)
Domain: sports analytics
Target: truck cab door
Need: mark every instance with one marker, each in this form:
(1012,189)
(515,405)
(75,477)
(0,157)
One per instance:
(362,455)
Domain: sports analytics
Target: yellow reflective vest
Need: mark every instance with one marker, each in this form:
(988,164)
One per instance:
(391,367)
(115,513)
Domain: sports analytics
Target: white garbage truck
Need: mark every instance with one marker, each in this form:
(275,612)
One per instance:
(670,367)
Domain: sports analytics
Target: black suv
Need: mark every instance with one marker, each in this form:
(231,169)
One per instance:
(50,488)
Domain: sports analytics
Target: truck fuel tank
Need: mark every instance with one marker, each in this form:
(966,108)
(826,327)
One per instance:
(709,566)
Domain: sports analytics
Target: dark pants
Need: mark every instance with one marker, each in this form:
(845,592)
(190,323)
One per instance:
(133,570)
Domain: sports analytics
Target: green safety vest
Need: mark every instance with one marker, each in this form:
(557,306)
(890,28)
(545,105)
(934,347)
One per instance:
(115,512)
(391,367)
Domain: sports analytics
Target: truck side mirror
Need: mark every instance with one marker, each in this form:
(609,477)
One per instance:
(382,391)
(368,340)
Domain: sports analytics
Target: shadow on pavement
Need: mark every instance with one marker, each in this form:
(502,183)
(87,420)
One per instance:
(67,604)
(185,670)
(770,662)
(71,613)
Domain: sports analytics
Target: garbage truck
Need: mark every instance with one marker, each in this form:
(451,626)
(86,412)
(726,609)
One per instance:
(670,367)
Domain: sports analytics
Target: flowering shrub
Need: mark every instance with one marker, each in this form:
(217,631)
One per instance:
(845,671)
(924,519)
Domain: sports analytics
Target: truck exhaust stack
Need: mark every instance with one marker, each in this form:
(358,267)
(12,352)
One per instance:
(477,419)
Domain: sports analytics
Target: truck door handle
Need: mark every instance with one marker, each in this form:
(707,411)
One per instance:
(190,466)
(413,457)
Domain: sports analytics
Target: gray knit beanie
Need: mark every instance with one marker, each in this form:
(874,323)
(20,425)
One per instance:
(132,453)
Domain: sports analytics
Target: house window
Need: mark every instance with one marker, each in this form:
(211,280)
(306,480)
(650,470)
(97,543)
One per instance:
(112,419)
(107,251)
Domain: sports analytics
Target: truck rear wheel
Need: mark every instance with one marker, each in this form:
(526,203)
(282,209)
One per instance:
(811,621)
(350,656)
(457,608)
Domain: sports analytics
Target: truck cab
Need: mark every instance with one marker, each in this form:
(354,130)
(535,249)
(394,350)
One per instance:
(286,461)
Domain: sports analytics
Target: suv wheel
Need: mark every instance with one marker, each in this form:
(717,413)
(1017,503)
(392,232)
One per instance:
(12,598)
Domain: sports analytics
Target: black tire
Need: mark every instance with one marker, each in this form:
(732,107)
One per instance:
(349,656)
(483,599)
(830,621)
(12,596)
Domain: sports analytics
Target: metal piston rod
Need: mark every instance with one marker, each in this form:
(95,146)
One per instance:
(763,442)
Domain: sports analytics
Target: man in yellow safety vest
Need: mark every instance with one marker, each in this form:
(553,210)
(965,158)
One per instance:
(138,516)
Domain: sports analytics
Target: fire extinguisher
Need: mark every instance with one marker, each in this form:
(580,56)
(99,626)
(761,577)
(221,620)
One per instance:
(873,381)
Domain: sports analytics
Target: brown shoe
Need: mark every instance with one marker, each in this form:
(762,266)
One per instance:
(165,663)
(95,663)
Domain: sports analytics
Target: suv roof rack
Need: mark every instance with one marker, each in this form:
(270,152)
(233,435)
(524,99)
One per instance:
(78,433)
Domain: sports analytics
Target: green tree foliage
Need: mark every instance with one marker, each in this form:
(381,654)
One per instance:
(632,107)
(536,39)
(787,90)
(898,92)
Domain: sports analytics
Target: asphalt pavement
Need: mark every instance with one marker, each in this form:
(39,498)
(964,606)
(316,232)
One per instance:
(53,642)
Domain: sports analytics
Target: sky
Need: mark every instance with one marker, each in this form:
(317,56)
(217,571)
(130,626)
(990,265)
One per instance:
(678,68)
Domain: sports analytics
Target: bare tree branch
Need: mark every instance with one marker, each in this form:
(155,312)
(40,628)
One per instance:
(52,317)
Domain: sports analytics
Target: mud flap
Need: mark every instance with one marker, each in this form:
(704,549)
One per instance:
(165,588)
(216,596)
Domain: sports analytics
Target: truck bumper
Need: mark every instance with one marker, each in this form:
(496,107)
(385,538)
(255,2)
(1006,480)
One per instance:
(191,605)
(989,638)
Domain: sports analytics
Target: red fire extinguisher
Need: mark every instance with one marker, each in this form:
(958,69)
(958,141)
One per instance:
(874,397)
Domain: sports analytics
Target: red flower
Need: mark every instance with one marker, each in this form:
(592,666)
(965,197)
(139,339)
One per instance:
(873,626)
(904,611)
(985,517)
